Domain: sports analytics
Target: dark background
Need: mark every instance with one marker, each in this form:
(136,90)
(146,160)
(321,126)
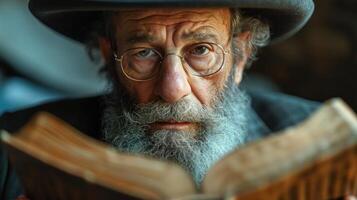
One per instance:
(320,62)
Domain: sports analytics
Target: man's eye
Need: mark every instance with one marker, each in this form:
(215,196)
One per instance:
(200,50)
(146,53)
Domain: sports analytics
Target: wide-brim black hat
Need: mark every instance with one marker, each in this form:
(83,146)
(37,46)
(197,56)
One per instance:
(73,18)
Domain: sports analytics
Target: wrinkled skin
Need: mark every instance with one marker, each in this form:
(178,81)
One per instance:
(170,30)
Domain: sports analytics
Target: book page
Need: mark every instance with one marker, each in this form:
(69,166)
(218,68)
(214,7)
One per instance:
(314,160)
(58,145)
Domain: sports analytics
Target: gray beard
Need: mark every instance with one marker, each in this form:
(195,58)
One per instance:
(222,128)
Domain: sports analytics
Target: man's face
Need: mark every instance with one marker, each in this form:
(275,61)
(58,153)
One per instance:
(193,120)
(171,31)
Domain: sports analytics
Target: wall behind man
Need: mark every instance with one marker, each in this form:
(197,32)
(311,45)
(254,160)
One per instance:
(320,62)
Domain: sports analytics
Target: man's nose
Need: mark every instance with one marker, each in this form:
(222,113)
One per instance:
(173,84)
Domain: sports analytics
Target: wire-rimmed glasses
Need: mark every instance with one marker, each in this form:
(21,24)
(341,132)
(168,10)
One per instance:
(144,63)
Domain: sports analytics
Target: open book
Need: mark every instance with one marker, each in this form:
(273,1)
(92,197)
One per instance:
(315,160)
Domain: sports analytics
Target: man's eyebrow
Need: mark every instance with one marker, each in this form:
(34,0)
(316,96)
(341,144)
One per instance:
(140,38)
(199,36)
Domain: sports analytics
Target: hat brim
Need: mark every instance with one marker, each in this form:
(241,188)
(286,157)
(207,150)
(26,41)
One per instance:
(74,18)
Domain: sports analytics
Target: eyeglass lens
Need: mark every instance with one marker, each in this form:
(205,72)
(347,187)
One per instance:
(144,63)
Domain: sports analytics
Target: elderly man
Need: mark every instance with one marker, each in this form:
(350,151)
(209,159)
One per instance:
(175,69)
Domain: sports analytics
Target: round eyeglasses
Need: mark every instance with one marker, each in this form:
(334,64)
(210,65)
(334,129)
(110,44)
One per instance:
(200,59)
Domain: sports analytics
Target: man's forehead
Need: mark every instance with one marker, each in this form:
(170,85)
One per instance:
(169,16)
(201,34)
(199,22)
(138,12)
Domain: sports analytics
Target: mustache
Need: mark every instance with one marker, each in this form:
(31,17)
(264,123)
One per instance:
(185,110)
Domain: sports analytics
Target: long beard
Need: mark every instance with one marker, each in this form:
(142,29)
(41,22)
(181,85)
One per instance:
(221,128)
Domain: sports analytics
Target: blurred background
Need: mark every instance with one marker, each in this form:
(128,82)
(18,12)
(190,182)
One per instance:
(320,62)
(37,64)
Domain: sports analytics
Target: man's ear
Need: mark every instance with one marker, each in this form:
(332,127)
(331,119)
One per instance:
(105,48)
(242,43)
